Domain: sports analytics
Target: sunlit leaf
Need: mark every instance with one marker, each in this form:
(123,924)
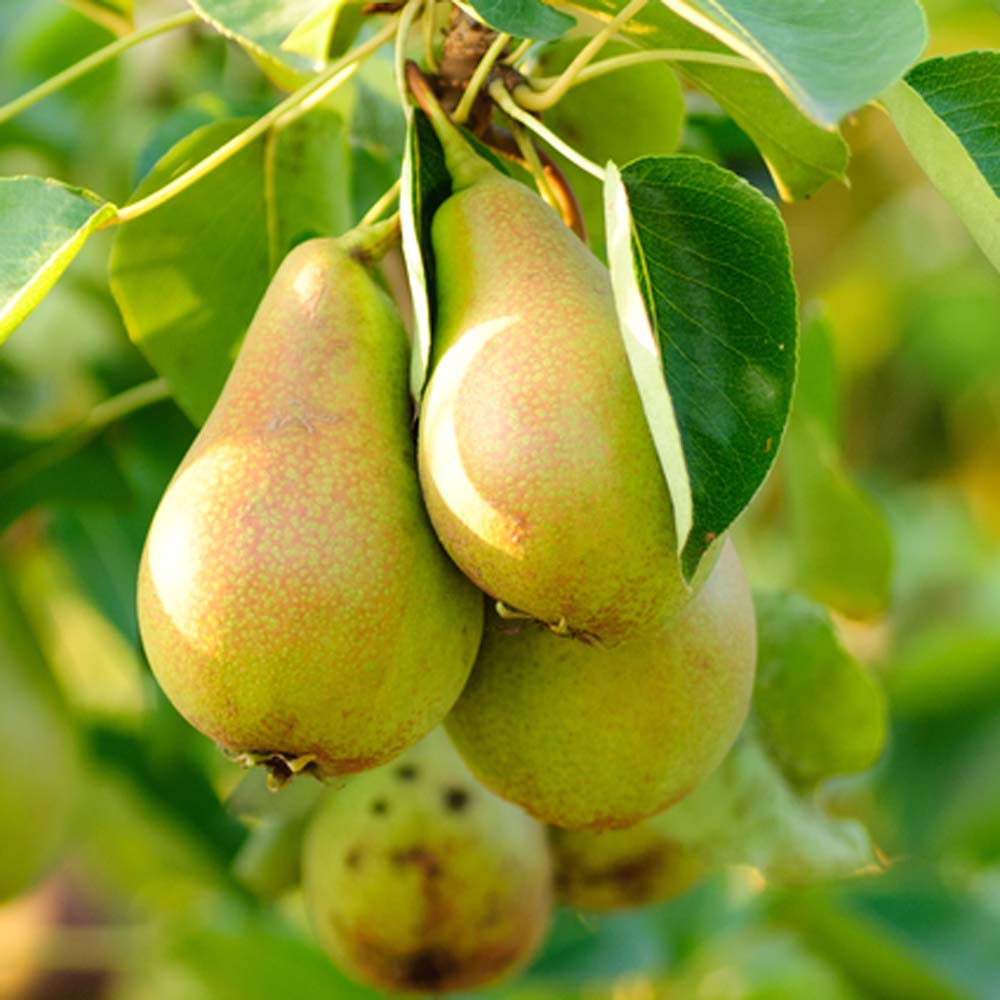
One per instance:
(45,224)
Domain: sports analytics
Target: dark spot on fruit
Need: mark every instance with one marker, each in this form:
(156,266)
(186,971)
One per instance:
(407,772)
(353,858)
(419,857)
(456,799)
(427,969)
(380,807)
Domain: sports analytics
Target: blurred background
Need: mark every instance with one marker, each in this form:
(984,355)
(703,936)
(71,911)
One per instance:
(897,529)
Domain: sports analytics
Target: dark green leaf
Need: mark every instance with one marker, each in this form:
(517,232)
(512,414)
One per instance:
(948,112)
(713,266)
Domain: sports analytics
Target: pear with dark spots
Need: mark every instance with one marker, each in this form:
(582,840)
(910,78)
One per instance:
(419,880)
(603,870)
(586,737)
(538,468)
(294,603)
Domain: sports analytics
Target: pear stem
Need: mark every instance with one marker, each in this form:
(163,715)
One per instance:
(368,244)
(507,103)
(464,164)
(475,85)
(380,206)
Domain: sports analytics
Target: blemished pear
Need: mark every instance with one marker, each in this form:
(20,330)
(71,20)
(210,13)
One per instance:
(294,602)
(585,737)
(537,465)
(418,879)
(603,870)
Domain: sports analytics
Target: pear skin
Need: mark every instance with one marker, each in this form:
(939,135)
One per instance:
(588,737)
(603,870)
(294,603)
(418,879)
(537,465)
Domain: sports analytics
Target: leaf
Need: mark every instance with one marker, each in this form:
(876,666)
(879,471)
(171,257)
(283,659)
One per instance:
(947,111)
(717,363)
(263,26)
(812,736)
(840,536)
(747,813)
(830,56)
(523,18)
(801,155)
(187,277)
(425,185)
(45,224)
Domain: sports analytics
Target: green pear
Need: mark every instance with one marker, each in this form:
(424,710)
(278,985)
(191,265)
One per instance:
(813,737)
(38,754)
(294,603)
(418,879)
(600,870)
(537,465)
(582,736)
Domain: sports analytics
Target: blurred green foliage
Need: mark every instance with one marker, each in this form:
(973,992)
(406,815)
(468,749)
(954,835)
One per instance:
(147,894)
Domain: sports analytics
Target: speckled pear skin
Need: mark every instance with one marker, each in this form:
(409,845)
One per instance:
(603,870)
(293,600)
(585,737)
(537,465)
(419,880)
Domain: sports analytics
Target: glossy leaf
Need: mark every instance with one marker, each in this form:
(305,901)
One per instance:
(830,56)
(45,224)
(801,154)
(523,18)
(711,260)
(948,112)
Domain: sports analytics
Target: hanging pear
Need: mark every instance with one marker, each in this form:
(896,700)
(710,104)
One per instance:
(418,879)
(537,465)
(293,601)
(581,736)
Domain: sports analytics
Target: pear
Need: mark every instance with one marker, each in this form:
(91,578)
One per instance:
(537,465)
(294,603)
(602,870)
(417,879)
(582,736)
(39,758)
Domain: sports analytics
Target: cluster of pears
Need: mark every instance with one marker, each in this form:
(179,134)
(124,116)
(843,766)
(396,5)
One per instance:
(311,590)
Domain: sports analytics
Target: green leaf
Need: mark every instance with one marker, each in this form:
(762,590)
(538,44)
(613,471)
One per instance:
(523,18)
(263,26)
(801,155)
(819,713)
(715,360)
(830,56)
(45,224)
(840,536)
(747,813)
(948,112)
(187,277)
